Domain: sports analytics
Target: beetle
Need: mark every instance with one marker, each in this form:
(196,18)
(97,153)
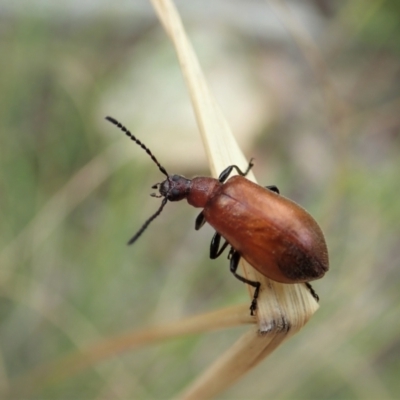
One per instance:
(275,235)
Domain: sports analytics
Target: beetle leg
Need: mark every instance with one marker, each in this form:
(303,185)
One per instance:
(200,221)
(235,257)
(273,188)
(215,251)
(223,176)
(312,291)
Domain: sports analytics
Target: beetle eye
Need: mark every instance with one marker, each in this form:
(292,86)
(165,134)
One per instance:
(175,178)
(175,192)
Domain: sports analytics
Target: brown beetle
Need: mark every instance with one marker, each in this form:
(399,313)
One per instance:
(272,233)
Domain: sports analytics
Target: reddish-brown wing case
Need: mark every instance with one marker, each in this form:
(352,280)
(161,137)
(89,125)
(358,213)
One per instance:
(274,234)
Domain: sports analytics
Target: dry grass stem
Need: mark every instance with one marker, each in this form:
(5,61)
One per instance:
(244,355)
(110,347)
(282,309)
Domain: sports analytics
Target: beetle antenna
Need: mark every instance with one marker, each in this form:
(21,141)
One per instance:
(137,141)
(147,223)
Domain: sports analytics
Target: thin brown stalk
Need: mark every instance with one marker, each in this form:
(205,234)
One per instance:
(74,363)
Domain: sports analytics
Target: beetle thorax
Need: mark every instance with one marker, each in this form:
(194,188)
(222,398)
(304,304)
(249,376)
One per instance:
(202,190)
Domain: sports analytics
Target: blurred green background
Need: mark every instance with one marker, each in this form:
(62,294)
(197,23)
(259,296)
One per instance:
(73,189)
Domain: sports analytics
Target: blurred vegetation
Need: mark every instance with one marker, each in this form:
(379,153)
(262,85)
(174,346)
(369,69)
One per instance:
(73,190)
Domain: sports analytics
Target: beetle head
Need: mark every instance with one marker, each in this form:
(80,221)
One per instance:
(174,188)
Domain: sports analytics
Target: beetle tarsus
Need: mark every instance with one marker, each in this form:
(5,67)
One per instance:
(223,176)
(312,291)
(253,305)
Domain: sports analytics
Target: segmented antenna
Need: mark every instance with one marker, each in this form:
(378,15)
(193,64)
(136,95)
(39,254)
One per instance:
(160,167)
(137,141)
(146,224)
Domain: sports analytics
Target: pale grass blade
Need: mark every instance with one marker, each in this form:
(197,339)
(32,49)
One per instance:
(282,309)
